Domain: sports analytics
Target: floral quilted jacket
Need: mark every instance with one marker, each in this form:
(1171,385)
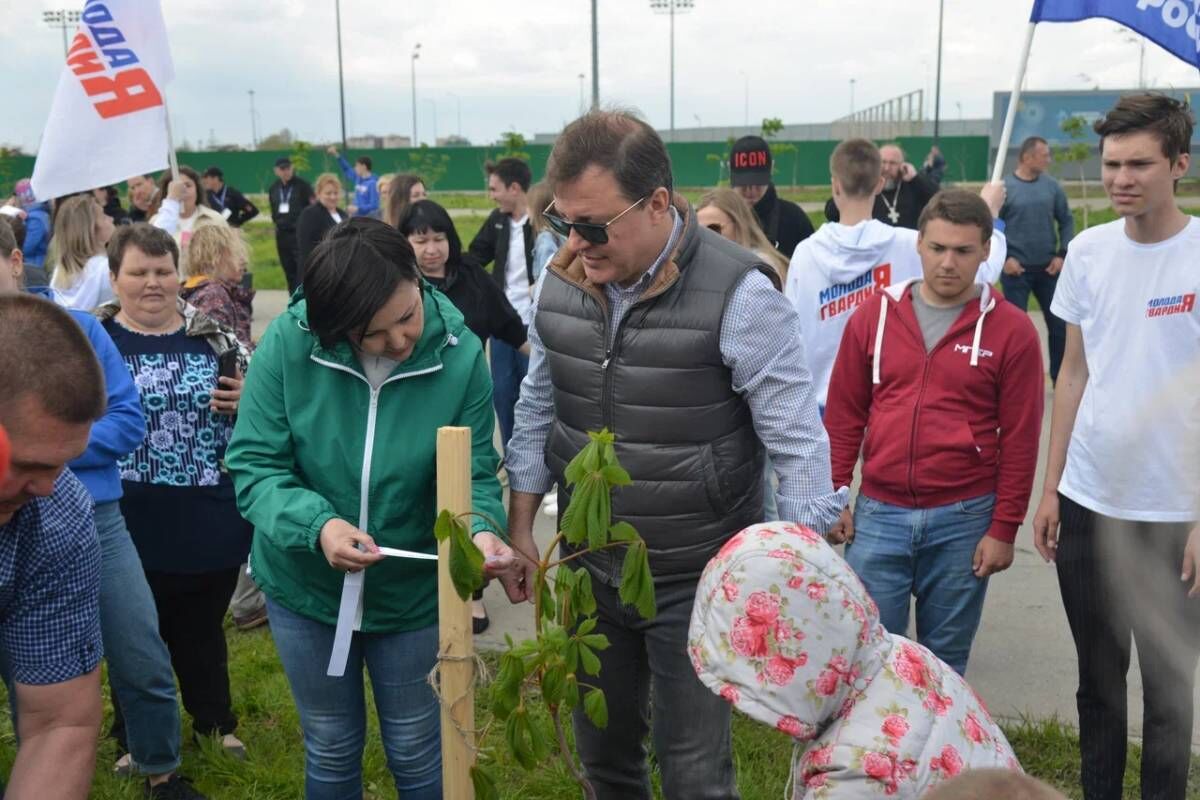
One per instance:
(783,629)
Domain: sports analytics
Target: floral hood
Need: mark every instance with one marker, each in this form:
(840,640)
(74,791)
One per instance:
(784,630)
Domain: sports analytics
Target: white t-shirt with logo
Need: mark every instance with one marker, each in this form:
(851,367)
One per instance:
(516,271)
(1135,448)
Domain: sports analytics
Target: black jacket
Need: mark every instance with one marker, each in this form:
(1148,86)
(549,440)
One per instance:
(482,303)
(299,195)
(240,209)
(910,202)
(785,223)
(490,246)
(315,222)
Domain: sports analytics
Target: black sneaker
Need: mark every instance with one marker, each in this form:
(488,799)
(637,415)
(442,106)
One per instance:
(176,787)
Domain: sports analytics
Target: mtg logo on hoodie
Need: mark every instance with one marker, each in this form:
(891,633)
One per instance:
(843,297)
(1173,304)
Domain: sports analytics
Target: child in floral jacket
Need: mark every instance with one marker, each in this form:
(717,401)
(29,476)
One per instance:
(783,629)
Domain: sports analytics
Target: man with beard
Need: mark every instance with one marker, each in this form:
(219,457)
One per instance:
(905,192)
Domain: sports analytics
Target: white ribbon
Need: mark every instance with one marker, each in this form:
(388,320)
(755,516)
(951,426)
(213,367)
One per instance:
(350,610)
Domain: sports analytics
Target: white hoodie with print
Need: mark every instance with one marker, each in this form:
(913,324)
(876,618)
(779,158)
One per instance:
(836,269)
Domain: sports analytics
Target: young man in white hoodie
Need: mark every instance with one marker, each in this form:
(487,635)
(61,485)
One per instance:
(844,263)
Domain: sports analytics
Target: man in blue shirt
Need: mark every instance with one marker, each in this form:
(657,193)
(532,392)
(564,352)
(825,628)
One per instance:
(1034,206)
(49,554)
(366,185)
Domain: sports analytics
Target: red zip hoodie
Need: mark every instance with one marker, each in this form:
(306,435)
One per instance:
(962,421)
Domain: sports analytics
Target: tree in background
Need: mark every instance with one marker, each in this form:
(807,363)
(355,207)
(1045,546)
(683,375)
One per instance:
(514,146)
(429,165)
(280,140)
(1077,152)
(771,126)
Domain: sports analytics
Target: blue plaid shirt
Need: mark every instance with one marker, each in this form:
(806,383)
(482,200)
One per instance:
(761,345)
(50,587)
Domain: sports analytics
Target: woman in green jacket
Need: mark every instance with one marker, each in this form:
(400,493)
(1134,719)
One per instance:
(333,456)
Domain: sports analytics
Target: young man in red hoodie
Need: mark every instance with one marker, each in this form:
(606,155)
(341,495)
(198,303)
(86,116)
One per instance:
(939,382)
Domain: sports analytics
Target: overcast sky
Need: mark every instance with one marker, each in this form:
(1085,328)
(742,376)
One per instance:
(515,64)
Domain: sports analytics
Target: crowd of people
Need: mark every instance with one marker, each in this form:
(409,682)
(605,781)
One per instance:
(168,468)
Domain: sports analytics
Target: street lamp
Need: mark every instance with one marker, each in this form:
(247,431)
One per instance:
(671,8)
(581,94)
(595,55)
(337,10)
(937,90)
(253,123)
(852,96)
(63,19)
(416,53)
(1132,38)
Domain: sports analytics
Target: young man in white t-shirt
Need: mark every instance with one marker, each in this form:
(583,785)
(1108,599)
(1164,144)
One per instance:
(1119,508)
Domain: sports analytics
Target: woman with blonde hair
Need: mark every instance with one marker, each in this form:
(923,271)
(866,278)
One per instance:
(77,258)
(317,220)
(217,260)
(725,211)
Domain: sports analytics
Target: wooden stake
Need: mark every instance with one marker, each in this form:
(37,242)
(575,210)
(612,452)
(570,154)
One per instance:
(455,644)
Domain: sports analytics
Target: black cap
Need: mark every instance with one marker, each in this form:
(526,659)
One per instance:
(750,162)
(283,161)
(213,172)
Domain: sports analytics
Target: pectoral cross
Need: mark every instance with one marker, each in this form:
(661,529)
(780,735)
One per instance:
(893,215)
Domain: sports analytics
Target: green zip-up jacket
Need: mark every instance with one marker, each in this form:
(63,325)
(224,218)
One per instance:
(313,441)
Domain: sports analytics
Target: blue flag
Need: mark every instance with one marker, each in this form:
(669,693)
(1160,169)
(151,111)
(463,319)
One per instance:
(1174,25)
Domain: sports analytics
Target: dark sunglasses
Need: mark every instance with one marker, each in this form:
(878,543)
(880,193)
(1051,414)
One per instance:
(593,232)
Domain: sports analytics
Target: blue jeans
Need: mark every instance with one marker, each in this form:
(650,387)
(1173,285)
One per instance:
(927,552)
(651,687)
(139,666)
(508,370)
(1041,284)
(333,710)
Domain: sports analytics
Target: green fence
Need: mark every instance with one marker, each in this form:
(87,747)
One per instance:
(696,164)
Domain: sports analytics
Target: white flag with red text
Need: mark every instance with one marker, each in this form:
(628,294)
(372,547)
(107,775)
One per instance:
(108,121)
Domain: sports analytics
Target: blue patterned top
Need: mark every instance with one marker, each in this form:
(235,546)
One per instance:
(174,375)
(179,502)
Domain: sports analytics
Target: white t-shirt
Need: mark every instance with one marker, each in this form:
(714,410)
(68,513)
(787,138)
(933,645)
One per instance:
(90,289)
(1135,448)
(516,271)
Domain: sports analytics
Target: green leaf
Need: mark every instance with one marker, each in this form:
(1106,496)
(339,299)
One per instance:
(622,532)
(484,783)
(575,471)
(596,708)
(637,585)
(589,660)
(466,561)
(554,684)
(585,600)
(574,523)
(548,606)
(597,524)
(615,475)
(597,641)
(587,626)
(519,734)
(443,525)
(571,656)
(571,695)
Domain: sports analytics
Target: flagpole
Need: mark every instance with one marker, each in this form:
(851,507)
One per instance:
(1014,100)
(172,158)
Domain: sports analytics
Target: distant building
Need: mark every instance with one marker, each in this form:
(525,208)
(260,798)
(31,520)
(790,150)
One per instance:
(453,140)
(395,140)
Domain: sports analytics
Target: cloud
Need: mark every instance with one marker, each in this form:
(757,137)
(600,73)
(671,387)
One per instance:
(517,64)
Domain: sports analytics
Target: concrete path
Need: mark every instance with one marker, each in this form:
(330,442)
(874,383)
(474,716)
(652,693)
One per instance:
(1023,661)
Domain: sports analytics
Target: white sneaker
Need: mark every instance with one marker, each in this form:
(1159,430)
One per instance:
(124,766)
(550,508)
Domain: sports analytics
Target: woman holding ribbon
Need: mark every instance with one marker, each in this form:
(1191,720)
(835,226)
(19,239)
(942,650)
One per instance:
(334,462)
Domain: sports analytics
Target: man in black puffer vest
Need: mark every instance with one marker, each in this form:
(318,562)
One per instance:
(679,342)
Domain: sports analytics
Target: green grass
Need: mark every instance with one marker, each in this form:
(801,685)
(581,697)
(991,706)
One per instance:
(275,767)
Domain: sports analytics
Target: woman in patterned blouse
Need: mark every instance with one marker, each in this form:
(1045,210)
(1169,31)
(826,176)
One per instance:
(179,502)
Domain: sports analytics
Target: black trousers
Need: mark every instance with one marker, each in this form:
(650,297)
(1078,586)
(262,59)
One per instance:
(1120,581)
(289,257)
(191,616)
